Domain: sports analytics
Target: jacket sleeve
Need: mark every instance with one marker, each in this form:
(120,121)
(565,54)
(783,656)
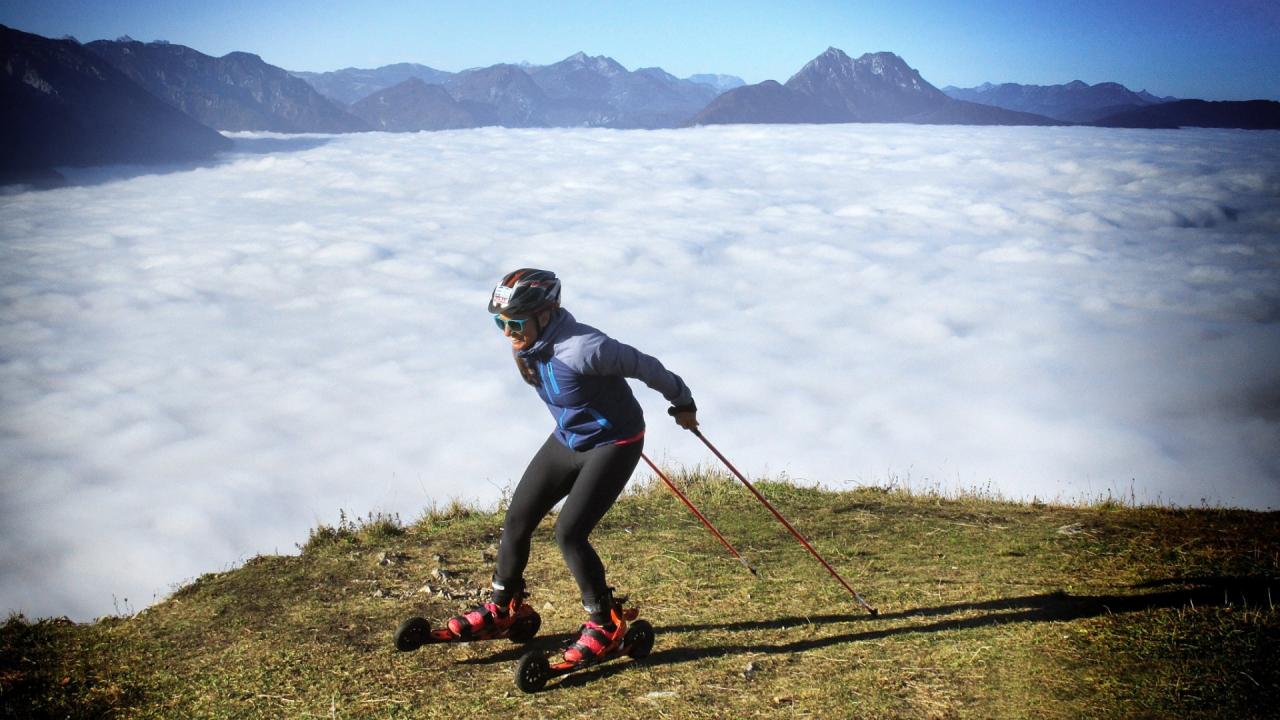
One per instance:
(610,357)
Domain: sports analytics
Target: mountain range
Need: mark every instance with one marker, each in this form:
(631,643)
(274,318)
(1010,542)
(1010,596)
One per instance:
(350,85)
(1075,102)
(597,91)
(63,106)
(578,91)
(123,101)
(237,91)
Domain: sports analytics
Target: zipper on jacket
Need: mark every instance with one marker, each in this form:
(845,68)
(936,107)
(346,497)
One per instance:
(551,372)
(546,383)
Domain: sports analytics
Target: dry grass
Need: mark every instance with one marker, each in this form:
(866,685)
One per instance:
(988,609)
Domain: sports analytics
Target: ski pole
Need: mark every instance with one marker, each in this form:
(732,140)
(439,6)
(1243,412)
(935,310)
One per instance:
(700,516)
(783,520)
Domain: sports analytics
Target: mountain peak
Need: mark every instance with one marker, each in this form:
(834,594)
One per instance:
(720,83)
(413,105)
(658,73)
(833,57)
(241,56)
(888,65)
(833,63)
(877,87)
(836,63)
(600,64)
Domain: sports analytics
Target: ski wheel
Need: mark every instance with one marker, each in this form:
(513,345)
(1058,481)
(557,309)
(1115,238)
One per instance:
(523,630)
(532,672)
(413,633)
(639,639)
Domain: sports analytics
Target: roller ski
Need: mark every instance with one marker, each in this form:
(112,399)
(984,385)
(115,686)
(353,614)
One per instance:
(517,622)
(595,644)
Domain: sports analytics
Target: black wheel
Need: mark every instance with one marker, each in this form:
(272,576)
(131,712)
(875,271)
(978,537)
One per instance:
(532,672)
(523,630)
(413,633)
(639,639)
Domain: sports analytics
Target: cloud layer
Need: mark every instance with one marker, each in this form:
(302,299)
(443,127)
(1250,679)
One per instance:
(198,366)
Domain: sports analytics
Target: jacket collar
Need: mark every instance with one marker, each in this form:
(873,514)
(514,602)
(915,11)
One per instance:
(556,326)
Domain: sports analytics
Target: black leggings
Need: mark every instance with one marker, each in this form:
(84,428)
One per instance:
(592,481)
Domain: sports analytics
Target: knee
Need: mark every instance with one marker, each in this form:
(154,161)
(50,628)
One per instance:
(568,536)
(518,528)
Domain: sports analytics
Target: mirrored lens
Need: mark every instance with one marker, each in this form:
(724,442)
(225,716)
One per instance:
(515,325)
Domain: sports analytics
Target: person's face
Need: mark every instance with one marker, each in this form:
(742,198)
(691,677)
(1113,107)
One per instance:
(521,334)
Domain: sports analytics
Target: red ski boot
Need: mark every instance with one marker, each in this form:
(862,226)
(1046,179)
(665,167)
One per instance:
(488,619)
(595,644)
(596,640)
(518,621)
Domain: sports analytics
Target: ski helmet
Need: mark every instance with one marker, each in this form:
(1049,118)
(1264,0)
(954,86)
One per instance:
(525,292)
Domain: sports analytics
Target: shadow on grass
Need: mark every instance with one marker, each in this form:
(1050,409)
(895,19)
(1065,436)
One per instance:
(550,644)
(1046,607)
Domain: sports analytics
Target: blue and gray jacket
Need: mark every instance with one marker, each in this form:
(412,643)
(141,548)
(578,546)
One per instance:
(580,374)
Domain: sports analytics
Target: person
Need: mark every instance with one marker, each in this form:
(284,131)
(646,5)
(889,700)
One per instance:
(580,373)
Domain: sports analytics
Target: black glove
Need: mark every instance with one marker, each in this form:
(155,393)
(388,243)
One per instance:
(677,409)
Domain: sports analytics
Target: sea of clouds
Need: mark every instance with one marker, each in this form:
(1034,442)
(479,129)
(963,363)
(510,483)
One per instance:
(200,365)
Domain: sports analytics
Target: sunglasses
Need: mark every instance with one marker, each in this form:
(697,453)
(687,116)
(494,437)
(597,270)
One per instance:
(512,325)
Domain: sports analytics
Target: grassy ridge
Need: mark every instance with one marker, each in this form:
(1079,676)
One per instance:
(987,609)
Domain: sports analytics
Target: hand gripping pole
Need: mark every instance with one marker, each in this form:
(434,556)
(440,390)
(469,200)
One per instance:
(783,520)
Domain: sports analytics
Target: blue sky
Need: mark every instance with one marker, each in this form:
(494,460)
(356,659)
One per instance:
(1212,49)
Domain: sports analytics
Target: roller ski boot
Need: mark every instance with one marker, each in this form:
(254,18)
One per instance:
(595,644)
(518,622)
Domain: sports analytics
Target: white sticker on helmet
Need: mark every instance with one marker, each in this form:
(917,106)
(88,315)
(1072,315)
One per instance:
(502,295)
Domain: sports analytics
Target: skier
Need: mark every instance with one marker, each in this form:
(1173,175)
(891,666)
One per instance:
(579,372)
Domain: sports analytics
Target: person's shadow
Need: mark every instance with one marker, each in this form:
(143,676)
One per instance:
(1047,607)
